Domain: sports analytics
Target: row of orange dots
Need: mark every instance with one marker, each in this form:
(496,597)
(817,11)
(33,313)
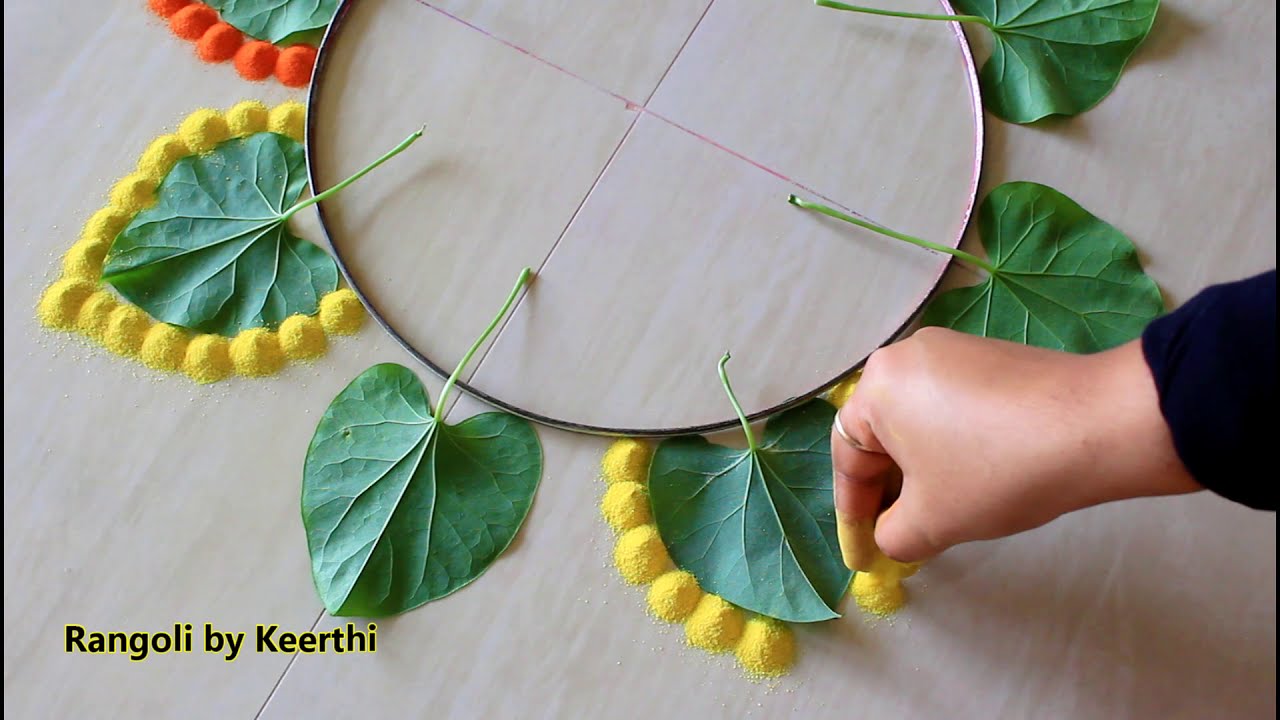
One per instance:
(218,42)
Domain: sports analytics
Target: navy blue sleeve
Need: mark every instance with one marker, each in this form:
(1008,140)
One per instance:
(1214,364)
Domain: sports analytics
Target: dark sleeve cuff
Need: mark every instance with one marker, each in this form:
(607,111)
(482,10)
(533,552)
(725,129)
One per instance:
(1214,365)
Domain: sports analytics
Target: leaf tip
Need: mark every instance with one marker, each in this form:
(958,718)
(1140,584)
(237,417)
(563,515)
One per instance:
(793,199)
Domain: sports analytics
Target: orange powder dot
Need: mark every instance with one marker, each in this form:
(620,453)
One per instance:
(95,314)
(166,8)
(256,60)
(341,312)
(208,359)
(203,129)
(219,43)
(302,337)
(164,347)
(191,22)
(60,305)
(288,119)
(84,260)
(247,118)
(256,352)
(293,67)
(126,329)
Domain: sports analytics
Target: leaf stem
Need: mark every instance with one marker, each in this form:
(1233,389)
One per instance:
(897,13)
(742,417)
(457,371)
(832,212)
(340,186)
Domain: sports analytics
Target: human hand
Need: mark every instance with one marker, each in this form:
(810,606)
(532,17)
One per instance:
(992,438)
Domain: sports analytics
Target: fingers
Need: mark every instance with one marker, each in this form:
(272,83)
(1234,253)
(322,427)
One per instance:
(860,477)
(901,532)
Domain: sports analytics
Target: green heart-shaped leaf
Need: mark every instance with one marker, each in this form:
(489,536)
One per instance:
(1051,57)
(276,21)
(1057,57)
(214,253)
(401,509)
(756,526)
(1059,278)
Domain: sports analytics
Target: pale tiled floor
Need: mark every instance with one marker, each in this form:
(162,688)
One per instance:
(637,154)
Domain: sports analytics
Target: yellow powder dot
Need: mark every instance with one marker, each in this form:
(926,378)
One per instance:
(60,305)
(341,312)
(256,352)
(302,337)
(95,313)
(164,347)
(132,193)
(715,625)
(160,156)
(626,460)
(674,596)
(83,260)
(208,359)
(640,555)
(626,505)
(288,118)
(126,328)
(247,118)
(888,569)
(203,130)
(840,394)
(876,595)
(767,647)
(104,225)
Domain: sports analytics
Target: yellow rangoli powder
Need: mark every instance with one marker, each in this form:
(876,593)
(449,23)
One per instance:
(256,353)
(208,359)
(160,157)
(715,625)
(203,129)
(302,337)
(133,193)
(84,260)
(640,555)
(164,347)
(126,329)
(626,460)
(60,305)
(626,505)
(840,394)
(95,313)
(674,596)
(767,647)
(247,118)
(341,312)
(288,118)
(879,591)
(105,224)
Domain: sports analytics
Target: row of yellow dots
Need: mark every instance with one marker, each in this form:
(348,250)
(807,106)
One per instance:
(78,301)
(764,647)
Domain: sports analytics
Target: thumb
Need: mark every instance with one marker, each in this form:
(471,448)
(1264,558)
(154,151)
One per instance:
(902,533)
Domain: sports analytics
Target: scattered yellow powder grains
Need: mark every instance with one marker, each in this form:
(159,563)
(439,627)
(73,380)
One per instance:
(160,156)
(208,359)
(133,192)
(60,305)
(247,118)
(626,460)
(164,347)
(640,555)
(840,394)
(203,129)
(104,225)
(625,506)
(84,260)
(878,595)
(767,647)
(256,352)
(674,596)
(126,329)
(95,313)
(302,337)
(715,625)
(288,118)
(340,311)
